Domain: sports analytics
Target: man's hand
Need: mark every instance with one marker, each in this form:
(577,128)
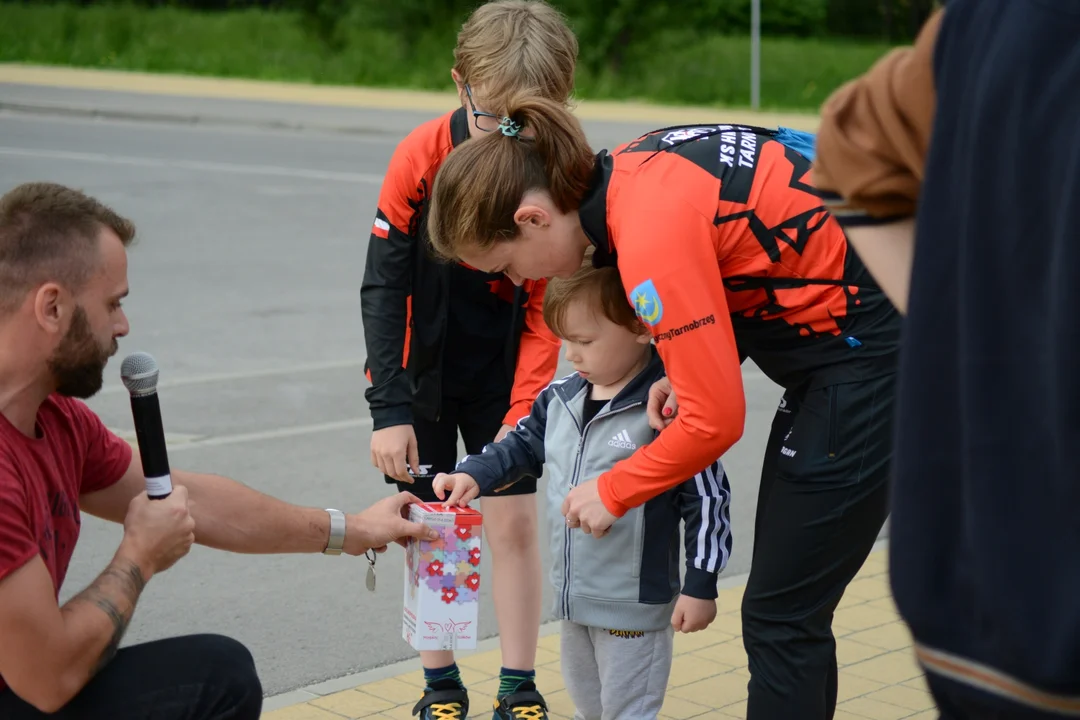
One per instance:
(662,404)
(391,448)
(157,533)
(383,523)
(463,487)
(692,614)
(583,508)
(502,432)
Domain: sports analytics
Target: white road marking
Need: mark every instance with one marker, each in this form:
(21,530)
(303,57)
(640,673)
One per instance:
(245,375)
(197,165)
(217,125)
(178,443)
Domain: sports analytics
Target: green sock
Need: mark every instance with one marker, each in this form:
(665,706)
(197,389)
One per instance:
(510,680)
(446,678)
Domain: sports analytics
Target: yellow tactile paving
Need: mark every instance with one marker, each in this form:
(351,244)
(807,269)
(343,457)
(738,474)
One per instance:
(879,678)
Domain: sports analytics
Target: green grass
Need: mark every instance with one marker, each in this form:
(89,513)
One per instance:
(673,67)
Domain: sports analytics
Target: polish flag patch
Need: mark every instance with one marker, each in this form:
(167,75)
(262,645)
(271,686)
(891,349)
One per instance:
(381,228)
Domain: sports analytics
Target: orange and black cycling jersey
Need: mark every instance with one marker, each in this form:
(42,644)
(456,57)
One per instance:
(726,253)
(431,327)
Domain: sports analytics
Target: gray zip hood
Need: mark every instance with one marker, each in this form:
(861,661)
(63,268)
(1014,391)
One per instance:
(628,579)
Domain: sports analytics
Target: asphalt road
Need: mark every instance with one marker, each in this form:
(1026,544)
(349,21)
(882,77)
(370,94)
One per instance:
(246,287)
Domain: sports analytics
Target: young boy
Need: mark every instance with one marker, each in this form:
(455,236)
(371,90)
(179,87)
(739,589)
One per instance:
(451,348)
(618,596)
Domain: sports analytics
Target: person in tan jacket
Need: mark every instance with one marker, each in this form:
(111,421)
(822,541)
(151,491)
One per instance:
(954,167)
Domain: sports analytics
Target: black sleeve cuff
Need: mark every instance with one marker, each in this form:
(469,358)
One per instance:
(390,416)
(700,584)
(862,219)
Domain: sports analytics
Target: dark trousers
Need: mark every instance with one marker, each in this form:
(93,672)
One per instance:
(478,420)
(822,503)
(194,677)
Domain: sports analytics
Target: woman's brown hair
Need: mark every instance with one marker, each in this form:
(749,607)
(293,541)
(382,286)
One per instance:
(479,186)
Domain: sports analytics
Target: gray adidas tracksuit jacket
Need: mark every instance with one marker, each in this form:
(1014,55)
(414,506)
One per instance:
(628,579)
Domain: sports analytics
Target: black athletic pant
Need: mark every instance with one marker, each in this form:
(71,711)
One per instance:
(194,677)
(479,420)
(822,503)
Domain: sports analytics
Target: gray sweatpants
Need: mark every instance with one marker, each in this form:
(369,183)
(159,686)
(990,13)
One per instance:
(613,674)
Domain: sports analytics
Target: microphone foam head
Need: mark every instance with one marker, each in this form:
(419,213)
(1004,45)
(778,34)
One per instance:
(139,373)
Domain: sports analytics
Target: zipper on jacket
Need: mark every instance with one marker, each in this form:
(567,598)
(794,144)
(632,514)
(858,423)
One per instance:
(568,532)
(567,554)
(833,430)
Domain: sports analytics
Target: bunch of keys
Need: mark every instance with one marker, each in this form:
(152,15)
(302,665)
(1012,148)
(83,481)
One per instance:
(371,555)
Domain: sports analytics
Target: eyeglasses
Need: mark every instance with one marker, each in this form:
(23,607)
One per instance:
(485,121)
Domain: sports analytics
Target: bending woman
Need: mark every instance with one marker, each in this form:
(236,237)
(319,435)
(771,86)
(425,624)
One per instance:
(727,253)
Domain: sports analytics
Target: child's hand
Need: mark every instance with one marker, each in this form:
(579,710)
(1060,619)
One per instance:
(693,614)
(462,486)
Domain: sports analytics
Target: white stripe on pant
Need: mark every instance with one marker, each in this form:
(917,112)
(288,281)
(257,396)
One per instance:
(615,675)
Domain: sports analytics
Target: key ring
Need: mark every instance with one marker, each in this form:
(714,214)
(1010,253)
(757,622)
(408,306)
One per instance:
(371,555)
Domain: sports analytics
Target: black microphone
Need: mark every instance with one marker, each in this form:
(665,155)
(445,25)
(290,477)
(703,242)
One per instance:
(140,375)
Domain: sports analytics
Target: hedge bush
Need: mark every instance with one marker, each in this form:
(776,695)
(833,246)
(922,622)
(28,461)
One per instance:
(637,50)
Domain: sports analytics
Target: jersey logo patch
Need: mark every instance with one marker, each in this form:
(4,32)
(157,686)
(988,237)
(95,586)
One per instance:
(684,134)
(647,303)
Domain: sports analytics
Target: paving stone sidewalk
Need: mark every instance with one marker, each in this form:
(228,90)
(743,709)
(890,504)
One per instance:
(879,678)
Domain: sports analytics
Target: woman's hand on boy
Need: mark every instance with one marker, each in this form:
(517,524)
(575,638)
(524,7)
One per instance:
(502,432)
(662,405)
(583,508)
(463,488)
(693,614)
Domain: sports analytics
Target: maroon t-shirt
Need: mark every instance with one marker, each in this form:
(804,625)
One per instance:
(41,479)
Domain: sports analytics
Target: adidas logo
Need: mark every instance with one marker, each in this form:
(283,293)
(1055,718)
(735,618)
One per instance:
(622,440)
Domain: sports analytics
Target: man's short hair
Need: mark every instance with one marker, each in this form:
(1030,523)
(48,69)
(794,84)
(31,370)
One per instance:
(601,287)
(50,232)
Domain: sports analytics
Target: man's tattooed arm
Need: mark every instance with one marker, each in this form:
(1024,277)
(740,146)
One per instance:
(114,593)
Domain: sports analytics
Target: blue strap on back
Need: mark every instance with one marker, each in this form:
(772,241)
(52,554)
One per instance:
(798,140)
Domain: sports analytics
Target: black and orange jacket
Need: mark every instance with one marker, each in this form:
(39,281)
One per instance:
(726,253)
(406,292)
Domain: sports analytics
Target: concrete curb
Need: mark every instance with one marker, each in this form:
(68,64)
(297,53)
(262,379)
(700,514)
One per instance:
(333,685)
(335,96)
